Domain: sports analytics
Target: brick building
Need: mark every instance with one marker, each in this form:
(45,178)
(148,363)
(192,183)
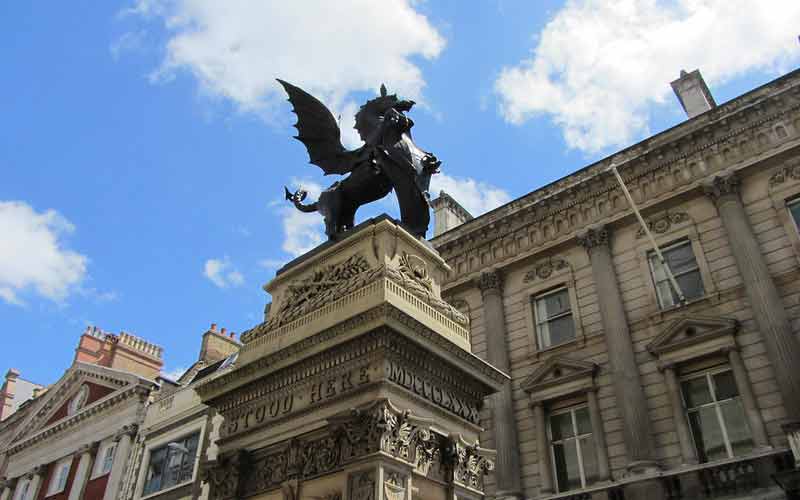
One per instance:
(619,388)
(74,441)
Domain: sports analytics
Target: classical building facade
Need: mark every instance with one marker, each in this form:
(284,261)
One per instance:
(619,388)
(74,441)
(179,432)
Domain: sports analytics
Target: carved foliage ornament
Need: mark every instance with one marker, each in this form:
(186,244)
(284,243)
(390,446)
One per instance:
(791,171)
(490,281)
(594,237)
(544,270)
(721,186)
(663,223)
(379,428)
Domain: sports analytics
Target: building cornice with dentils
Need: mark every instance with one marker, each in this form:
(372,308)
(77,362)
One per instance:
(732,136)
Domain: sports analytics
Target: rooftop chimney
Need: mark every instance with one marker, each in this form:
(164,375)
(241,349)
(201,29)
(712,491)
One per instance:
(693,93)
(124,352)
(217,345)
(447,214)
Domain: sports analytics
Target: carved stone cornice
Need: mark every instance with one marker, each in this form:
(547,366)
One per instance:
(594,237)
(734,135)
(490,281)
(722,186)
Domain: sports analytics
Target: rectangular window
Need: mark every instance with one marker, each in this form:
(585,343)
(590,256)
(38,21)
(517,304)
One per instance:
(553,313)
(716,417)
(58,481)
(794,209)
(681,261)
(171,464)
(573,449)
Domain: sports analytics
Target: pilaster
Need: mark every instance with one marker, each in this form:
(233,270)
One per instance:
(84,471)
(507,471)
(748,399)
(688,452)
(783,348)
(543,450)
(624,371)
(121,455)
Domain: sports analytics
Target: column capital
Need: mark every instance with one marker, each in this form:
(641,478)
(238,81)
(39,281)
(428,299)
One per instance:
(88,448)
(594,237)
(490,281)
(722,186)
(128,430)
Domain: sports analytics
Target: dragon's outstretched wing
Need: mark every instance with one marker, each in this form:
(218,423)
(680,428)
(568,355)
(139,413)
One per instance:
(318,131)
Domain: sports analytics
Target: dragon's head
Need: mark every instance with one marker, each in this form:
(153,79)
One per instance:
(371,114)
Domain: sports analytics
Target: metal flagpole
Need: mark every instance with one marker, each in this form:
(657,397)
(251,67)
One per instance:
(657,250)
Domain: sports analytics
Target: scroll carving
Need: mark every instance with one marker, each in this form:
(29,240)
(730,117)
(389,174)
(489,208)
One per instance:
(544,270)
(663,223)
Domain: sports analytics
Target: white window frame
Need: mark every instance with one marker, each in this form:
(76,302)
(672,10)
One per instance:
(539,321)
(102,453)
(197,425)
(789,205)
(57,485)
(717,404)
(576,437)
(652,260)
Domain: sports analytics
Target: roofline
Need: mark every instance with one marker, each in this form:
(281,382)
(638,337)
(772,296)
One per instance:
(475,221)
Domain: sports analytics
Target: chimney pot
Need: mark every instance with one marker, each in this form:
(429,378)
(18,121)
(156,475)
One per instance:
(213,327)
(233,335)
(223,330)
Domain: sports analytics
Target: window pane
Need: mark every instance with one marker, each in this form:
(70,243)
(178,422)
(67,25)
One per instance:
(736,425)
(666,295)
(725,386)
(695,392)
(658,270)
(794,208)
(566,466)
(583,421)
(589,456)
(155,470)
(544,335)
(554,304)
(561,330)
(691,285)
(680,258)
(561,426)
(707,434)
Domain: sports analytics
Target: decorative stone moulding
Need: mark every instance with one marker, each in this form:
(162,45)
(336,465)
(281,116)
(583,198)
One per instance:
(377,263)
(733,136)
(378,430)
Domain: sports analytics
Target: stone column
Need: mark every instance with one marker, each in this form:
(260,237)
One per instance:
(6,489)
(688,451)
(760,439)
(121,454)
(84,471)
(783,348)
(624,371)
(36,482)
(507,466)
(603,469)
(543,450)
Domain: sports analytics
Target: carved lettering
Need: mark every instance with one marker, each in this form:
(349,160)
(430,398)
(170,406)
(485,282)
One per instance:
(347,384)
(316,392)
(363,375)
(330,389)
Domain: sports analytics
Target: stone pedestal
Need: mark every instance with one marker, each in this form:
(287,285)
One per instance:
(360,384)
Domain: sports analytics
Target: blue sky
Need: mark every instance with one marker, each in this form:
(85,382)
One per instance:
(144,144)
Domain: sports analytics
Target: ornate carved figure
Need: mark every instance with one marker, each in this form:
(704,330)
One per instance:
(388,160)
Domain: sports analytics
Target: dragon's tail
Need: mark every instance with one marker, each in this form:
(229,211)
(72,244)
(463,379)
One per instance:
(297,200)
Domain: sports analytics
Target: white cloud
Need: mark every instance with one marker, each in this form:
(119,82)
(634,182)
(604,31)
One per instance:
(237,48)
(598,65)
(222,273)
(301,231)
(175,373)
(476,196)
(32,256)
(271,263)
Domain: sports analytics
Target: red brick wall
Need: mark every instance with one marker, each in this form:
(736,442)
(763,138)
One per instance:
(96,488)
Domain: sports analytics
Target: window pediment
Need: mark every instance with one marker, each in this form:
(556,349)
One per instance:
(559,376)
(693,336)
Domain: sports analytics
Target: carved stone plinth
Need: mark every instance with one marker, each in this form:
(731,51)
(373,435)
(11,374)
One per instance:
(360,383)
